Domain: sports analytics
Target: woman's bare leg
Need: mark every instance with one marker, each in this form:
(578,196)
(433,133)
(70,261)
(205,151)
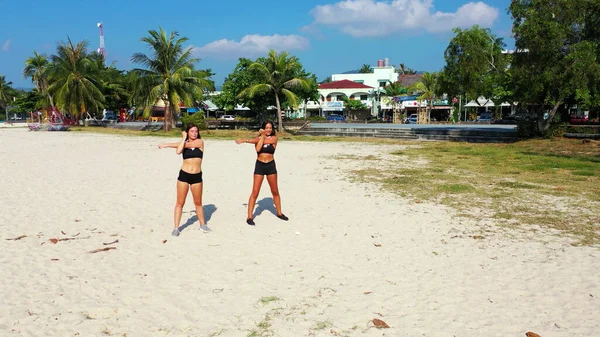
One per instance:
(182,190)
(258,179)
(272,180)
(197,195)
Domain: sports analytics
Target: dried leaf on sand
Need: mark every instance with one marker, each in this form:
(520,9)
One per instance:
(102,250)
(17,238)
(379,324)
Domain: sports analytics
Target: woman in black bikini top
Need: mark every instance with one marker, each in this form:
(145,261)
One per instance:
(191,147)
(264,145)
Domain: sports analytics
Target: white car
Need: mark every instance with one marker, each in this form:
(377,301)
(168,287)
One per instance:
(227,117)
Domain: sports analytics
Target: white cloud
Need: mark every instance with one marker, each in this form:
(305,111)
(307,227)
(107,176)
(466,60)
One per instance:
(251,45)
(6,45)
(362,18)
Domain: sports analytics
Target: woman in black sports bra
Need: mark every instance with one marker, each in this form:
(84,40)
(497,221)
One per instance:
(264,145)
(191,147)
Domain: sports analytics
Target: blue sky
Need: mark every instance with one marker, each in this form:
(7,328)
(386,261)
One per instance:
(328,36)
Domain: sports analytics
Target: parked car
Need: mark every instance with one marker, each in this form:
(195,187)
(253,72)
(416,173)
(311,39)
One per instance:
(485,117)
(412,119)
(578,119)
(227,118)
(335,117)
(109,115)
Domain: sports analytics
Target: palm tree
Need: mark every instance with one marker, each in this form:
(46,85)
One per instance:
(365,69)
(73,79)
(277,77)
(427,87)
(392,90)
(404,70)
(36,68)
(170,75)
(6,93)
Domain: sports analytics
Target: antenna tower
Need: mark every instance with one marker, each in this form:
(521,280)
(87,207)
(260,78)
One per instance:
(101,50)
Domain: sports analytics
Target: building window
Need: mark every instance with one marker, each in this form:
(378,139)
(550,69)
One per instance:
(363,97)
(340,97)
(382,84)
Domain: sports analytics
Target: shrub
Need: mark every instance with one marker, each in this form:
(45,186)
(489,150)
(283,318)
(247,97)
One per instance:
(196,118)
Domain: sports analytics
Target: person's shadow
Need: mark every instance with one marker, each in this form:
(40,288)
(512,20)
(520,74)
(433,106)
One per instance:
(266,204)
(208,212)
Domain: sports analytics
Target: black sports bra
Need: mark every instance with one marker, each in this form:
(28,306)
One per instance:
(193,152)
(267,148)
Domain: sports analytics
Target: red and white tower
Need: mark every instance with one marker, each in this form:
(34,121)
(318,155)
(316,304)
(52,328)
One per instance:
(101,50)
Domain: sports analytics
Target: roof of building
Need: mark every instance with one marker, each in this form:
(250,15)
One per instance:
(409,80)
(344,84)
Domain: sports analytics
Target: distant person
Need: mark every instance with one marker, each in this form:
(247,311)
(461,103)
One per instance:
(264,144)
(191,147)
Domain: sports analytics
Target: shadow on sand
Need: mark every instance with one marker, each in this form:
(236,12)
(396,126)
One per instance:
(209,210)
(266,204)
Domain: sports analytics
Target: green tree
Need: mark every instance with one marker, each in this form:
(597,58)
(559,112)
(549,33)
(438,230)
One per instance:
(404,70)
(474,62)
(26,101)
(428,88)
(307,93)
(170,75)
(353,104)
(239,79)
(73,79)
(36,68)
(6,93)
(393,90)
(326,80)
(557,54)
(276,76)
(365,69)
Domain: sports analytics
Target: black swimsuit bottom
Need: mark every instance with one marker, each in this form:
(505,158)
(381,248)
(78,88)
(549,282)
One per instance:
(265,169)
(190,178)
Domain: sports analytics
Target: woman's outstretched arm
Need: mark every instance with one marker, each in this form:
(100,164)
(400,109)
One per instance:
(247,140)
(168,145)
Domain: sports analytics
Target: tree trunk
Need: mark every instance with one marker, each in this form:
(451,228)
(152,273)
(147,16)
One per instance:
(279,119)
(305,110)
(430,110)
(544,124)
(172,119)
(167,113)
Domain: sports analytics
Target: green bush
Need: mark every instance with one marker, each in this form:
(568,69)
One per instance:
(197,118)
(317,118)
(527,128)
(556,130)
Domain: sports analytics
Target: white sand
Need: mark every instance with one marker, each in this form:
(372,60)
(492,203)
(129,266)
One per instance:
(429,277)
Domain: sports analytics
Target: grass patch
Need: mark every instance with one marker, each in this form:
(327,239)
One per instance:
(322,325)
(532,182)
(268,299)
(455,188)
(516,184)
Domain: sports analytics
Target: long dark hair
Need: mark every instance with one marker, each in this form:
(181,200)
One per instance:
(264,125)
(187,129)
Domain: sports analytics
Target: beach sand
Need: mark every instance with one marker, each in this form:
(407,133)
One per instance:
(349,253)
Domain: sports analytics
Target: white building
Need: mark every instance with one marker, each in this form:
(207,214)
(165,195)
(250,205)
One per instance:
(381,76)
(366,87)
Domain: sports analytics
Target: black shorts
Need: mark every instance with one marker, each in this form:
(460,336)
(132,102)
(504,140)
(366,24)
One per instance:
(190,178)
(265,169)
